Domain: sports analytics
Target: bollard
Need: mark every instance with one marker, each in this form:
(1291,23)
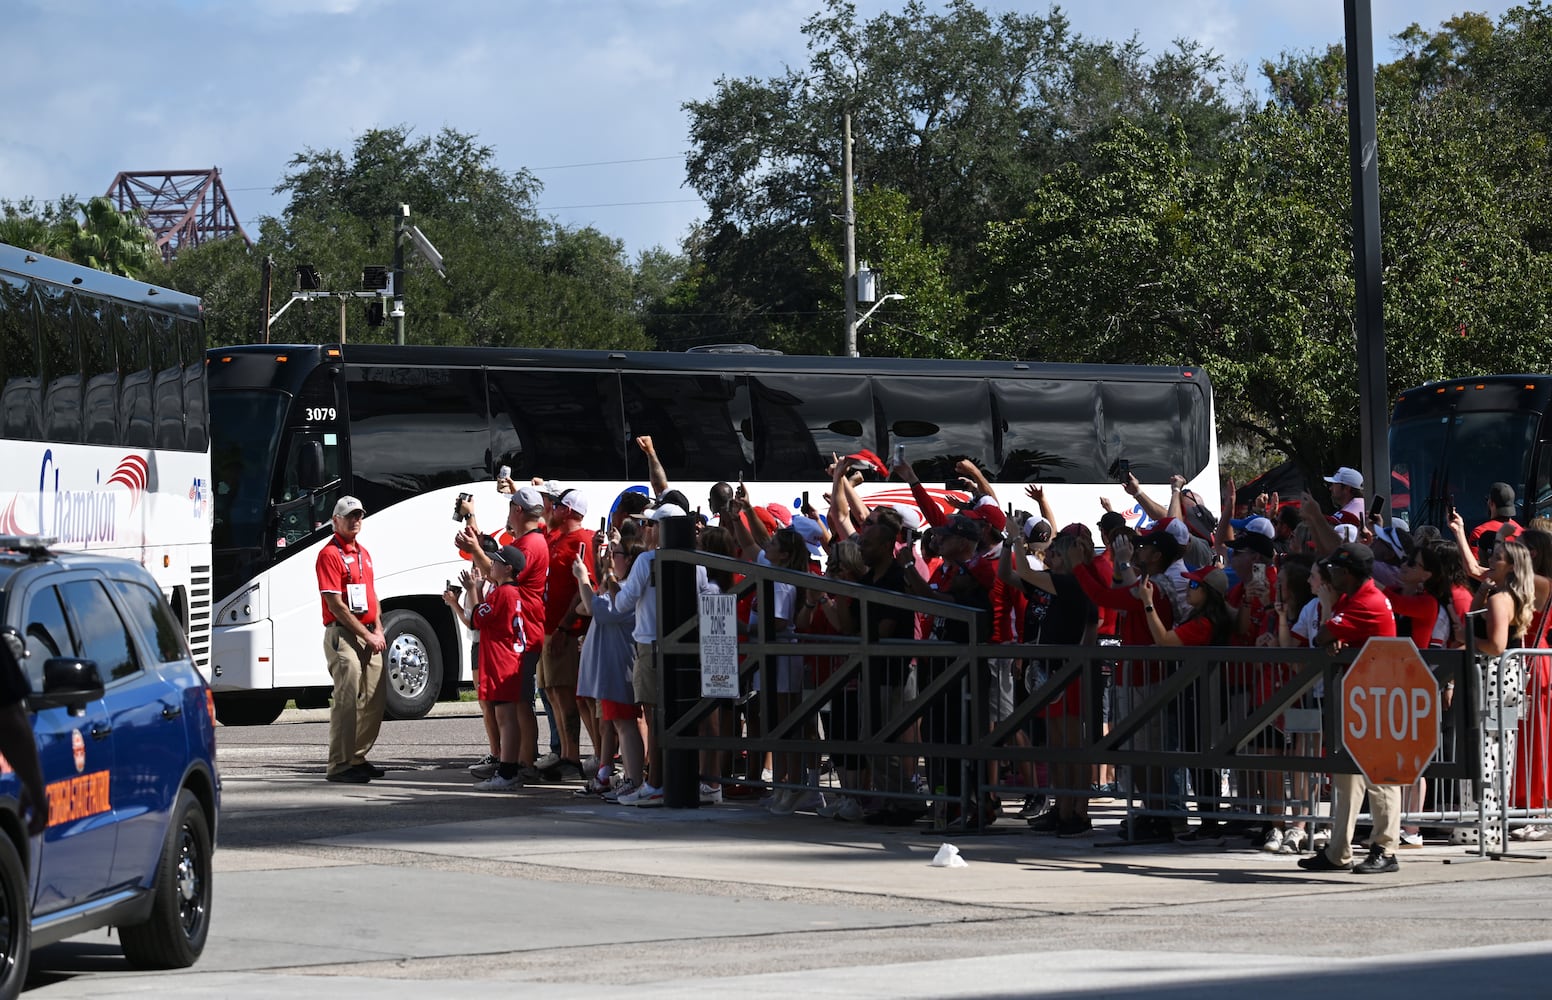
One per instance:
(678,603)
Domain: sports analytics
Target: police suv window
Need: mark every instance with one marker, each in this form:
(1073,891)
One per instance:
(153,620)
(101,630)
(48,634)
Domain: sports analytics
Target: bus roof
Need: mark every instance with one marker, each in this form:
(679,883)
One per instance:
(37,267)
(473,357)
(1481,392)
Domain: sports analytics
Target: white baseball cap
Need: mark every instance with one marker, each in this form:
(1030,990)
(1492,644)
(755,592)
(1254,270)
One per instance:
(1347,477)
(348,506)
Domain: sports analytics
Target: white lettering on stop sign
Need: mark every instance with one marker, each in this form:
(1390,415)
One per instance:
(1393,713)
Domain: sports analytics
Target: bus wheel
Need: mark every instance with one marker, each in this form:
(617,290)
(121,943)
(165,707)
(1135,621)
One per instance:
(249,709)
(412,665)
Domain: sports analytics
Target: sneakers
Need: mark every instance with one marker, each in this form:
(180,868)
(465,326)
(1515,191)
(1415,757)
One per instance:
(1273,844)
(1077,826)
(1412,840)
(711,795)
(1033,806)
(548,761)
(484,767)
(784,802)
(1319,862)
(1294,841)
(1377,863)
(349,776)
(496,783)
(1533,833)
(644,796)
(1045,823)
(624,786)
(849,810)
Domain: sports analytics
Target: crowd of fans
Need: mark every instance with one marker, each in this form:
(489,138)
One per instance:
(569,614)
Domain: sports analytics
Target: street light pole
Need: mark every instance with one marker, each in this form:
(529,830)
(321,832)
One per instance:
(399,222)
(851,239)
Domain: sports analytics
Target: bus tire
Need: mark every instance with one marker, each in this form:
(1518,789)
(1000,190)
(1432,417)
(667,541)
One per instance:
(248,709)
(15,918)
(412,665)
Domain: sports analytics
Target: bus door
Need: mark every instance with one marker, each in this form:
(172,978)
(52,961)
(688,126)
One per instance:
(310,475)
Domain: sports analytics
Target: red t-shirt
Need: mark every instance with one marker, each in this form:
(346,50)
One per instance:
(1361,615)
(341,563)
(1421,610)
(561,595)
(1260,614)
(531,584)
(502,643)
(1004,610)
(1194,631)
(1131,622)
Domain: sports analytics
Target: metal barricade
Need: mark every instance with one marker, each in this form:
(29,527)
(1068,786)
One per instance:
(908,725)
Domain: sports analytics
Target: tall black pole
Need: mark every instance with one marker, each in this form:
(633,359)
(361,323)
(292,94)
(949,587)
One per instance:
(1363,154)
(401,219)
(266,285)
(678,602)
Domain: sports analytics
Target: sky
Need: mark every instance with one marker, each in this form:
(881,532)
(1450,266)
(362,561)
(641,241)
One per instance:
(586,94)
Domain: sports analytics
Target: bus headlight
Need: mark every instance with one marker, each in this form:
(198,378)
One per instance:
(243,608)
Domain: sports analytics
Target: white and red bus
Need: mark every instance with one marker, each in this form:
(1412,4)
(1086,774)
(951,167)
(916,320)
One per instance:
(406,429)
(106,441)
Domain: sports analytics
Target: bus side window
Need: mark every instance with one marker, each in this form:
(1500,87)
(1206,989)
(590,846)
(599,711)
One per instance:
(167,396)
(1541,482)
(556,424)
(1050,431)
(800,420)
(95,320)
(939,421)
(21,401)
(132,342)
(415,430)
(692,422)
(196,425)
(61,367)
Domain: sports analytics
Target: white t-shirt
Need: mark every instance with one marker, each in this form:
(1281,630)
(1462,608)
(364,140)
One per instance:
(1306,628)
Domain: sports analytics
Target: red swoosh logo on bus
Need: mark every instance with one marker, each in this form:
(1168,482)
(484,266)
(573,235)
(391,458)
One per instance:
(8,525)
(132,473)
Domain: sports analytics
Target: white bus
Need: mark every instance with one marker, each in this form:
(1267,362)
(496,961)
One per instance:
(406,429)
(106,445)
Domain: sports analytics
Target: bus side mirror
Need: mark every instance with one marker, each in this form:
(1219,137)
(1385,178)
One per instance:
(309,466)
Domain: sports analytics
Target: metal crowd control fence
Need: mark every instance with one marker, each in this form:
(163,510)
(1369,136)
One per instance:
(1236,733)
(1516,802)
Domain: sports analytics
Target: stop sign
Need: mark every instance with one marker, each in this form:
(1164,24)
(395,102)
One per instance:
(1390,711)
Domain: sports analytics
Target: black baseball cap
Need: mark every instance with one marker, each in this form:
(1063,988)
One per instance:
(512,556)
(1355,557)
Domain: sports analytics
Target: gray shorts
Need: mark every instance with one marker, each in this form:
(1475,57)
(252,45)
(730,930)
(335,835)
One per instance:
(644,676)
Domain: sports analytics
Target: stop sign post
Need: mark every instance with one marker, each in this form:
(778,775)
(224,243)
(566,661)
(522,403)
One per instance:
(1390,711)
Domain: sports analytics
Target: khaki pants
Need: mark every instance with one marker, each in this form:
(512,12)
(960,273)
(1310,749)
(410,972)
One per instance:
(356,711)
(1384,808)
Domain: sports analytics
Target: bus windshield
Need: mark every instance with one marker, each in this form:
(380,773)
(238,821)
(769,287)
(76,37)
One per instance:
(242,462)
(1450,459)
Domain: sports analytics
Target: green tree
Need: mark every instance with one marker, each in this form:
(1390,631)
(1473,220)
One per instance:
(93,234)
(512,277)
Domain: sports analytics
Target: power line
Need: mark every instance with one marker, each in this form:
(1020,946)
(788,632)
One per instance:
(616,204)
(610,163)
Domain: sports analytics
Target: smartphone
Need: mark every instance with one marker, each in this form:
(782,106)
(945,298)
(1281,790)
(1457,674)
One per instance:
(505,472)
(805,499)
(603,524)
(1378,506)
(900,454)
(1123,471)
(1258,573)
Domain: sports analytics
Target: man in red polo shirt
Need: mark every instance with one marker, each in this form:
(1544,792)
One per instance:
(1362,611)
(354,646)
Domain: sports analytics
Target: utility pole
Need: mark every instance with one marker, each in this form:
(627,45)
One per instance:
(1363,156)
(400,221)
(343,300)
(850,214)
(266,284)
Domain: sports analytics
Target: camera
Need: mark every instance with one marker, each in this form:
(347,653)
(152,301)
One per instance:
(452,588)
(458,513)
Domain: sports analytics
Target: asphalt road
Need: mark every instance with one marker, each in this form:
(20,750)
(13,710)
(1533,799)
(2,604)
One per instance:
(417,886)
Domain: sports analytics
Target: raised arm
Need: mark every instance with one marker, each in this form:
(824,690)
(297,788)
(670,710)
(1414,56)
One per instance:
(655,473)
(1325,537)
(1468,553)
(928,506)
(1155,510)
(1036,493)
(973,472)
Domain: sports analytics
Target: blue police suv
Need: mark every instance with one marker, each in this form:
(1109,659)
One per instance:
(125,732)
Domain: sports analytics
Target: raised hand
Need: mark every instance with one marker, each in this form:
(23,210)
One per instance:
(1036,492)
